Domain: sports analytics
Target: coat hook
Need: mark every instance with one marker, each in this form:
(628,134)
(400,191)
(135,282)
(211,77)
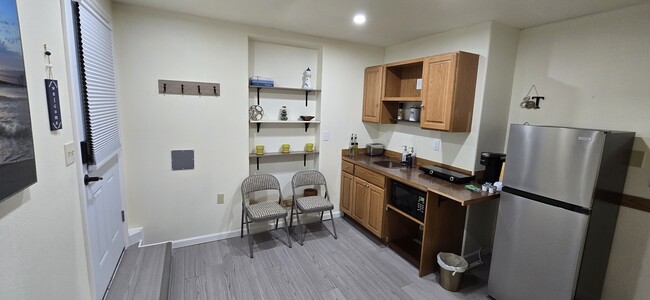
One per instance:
(183,89)
(199,87)
(214,88)
(164,88)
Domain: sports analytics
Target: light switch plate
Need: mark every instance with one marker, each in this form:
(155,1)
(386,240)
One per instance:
(436,144)
(220,199)
(68,150)
(325,135)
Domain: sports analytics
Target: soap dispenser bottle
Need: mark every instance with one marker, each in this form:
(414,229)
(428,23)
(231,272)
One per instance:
(412,154)
(404,153)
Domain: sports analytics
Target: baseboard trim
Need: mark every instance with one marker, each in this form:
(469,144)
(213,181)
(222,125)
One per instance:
(204,239)
(135,235)
(228,234)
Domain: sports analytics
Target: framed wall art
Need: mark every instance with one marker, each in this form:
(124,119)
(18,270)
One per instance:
(17,163)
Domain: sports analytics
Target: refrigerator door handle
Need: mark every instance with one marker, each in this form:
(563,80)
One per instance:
(546,200)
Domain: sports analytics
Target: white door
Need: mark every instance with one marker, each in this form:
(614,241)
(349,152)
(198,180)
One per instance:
(95,122)
(104,221)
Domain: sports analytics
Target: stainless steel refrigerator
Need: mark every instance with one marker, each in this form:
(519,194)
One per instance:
(557,212)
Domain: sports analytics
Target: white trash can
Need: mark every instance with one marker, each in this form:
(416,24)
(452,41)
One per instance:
(452,268)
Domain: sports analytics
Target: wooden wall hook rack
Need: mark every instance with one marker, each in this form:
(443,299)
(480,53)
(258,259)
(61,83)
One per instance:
(191,88)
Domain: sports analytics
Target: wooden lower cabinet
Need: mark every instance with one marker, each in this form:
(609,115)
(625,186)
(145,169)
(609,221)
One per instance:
(346,192)
(360,200)
(376,210)
(363,202)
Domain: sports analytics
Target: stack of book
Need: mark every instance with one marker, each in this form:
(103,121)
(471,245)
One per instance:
(260,81)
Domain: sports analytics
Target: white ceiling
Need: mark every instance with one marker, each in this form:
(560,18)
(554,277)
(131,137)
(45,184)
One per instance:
(389,22)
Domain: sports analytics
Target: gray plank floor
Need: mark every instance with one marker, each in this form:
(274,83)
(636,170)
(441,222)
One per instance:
(355,266)
(141,274)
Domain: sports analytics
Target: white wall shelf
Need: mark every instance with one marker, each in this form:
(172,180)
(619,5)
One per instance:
(259,88)
(306,123)
(303,153)
(286,65)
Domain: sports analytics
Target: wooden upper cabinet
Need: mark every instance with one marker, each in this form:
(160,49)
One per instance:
(449,83)
(400,80)
(372,87)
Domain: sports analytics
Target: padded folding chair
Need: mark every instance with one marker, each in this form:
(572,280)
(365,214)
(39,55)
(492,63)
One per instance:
(310,204)
(263,211)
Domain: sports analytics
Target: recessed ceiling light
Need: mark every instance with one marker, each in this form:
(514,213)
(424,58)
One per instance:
(359,19)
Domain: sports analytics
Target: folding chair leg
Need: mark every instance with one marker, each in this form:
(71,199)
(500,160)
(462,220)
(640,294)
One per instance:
(276,223)
(321,216)
(333,226)
(242,223)
(291,217)
(250,241)
(286,228)
(300,240)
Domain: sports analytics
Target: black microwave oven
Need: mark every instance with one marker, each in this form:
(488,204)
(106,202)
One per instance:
(408,199)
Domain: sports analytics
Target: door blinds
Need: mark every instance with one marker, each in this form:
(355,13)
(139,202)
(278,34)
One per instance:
(98,80)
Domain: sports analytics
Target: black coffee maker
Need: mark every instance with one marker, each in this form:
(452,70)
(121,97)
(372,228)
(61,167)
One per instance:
(493,163)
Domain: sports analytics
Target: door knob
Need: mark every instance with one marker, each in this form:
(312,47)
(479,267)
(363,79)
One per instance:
(88,179)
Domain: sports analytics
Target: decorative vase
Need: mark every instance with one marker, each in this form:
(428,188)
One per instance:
(306,84)
(284,114)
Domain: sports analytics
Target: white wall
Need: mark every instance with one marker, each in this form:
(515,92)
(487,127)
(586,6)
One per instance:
(152,45)
(594,72)
(42,252)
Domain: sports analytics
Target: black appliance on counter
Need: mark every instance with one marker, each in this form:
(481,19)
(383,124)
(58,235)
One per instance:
(446,174)
(493,163)
(408,199)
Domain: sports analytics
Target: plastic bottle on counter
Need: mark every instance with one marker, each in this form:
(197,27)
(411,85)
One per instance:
(412,152)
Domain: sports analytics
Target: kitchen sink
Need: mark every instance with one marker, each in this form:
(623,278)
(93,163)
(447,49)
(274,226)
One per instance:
(388,164)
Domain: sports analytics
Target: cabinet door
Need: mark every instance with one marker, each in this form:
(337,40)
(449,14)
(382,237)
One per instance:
(372,94)
(346,192)
(438,74)
(375,210)
(360,190)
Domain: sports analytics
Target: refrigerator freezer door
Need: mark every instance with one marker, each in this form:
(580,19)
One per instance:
(557,163)
(537,250)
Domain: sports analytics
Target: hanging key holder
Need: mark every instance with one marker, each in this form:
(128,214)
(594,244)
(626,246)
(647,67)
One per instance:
(529,102)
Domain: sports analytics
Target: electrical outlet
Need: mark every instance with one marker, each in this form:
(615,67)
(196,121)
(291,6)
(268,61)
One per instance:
(219,198)
(436,144)
(68,149)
